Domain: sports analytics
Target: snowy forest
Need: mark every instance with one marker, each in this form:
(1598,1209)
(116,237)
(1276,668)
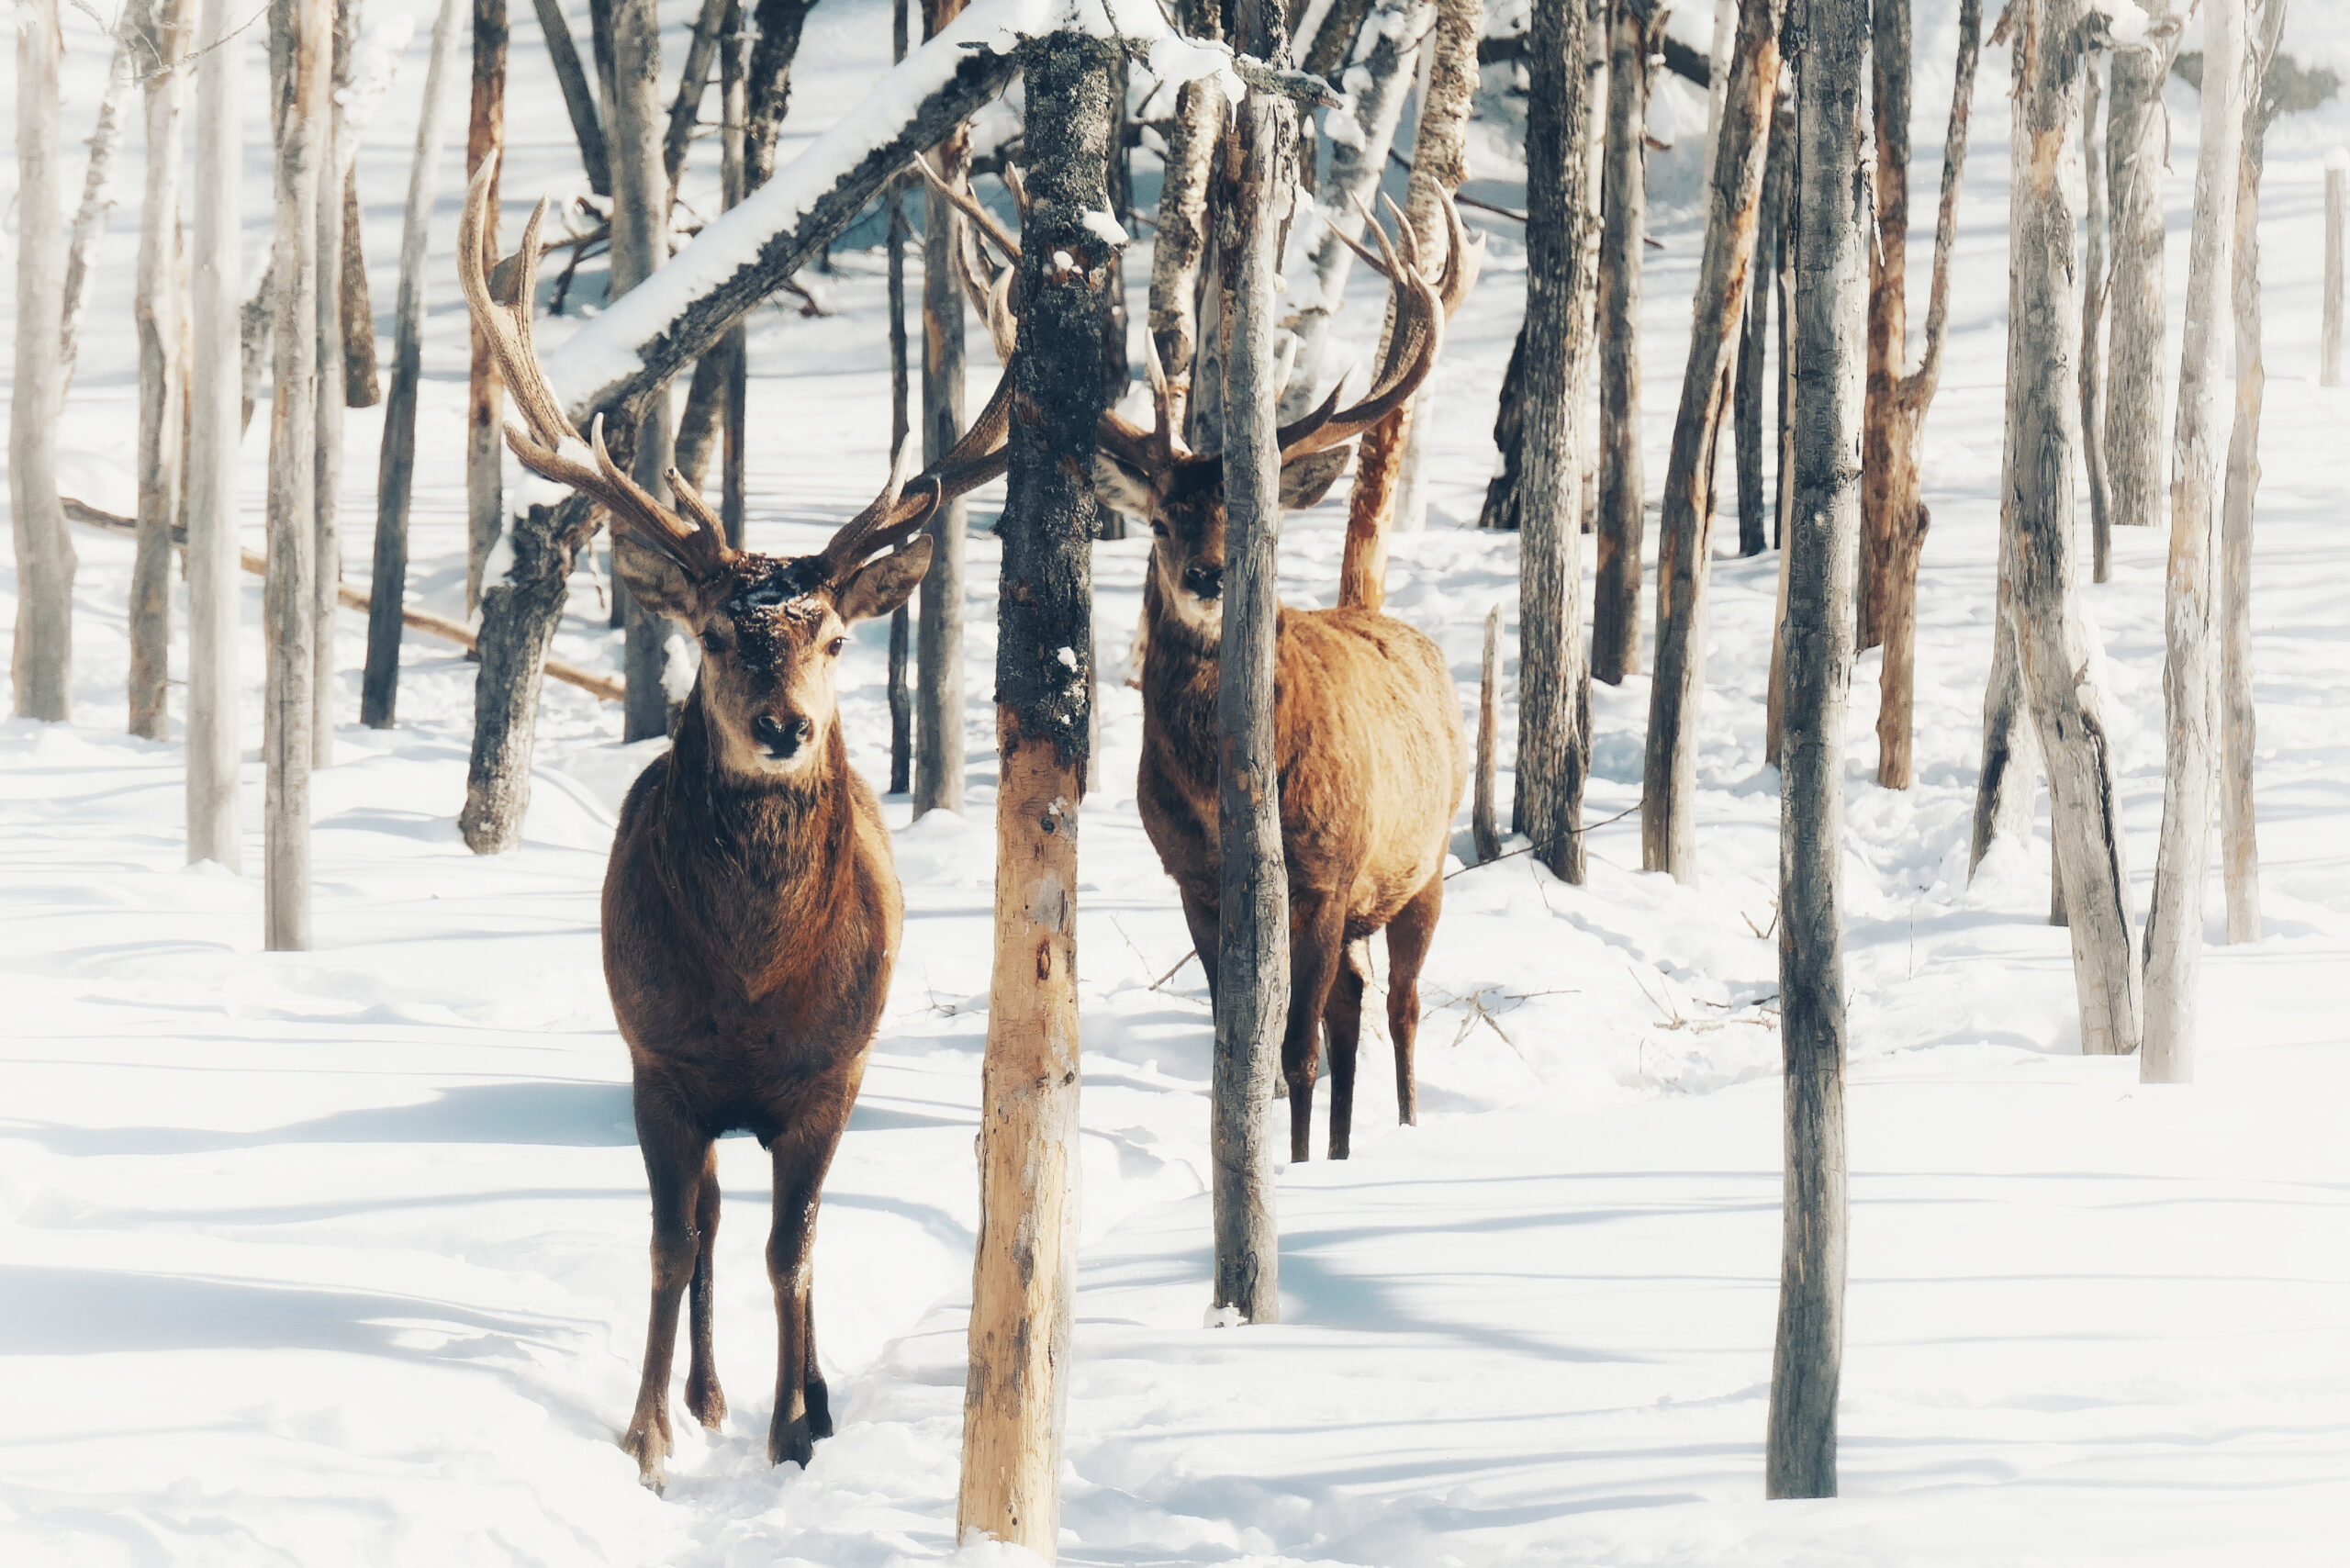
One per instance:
(920,623)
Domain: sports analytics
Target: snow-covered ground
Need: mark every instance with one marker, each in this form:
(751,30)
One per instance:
(337,1257)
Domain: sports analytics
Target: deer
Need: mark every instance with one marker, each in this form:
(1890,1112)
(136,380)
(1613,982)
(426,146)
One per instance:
(751,910)
(1367,724)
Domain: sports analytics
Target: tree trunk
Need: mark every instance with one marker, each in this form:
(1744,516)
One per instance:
(2094,284)
(1634,29)
(693,85)
(1832,301)
(1668,825)
(578,98)
(778,24)
(902,696)
(2004,781)
(90,218)
(1889,488)
(1439,163)
(2175,923)
(361,388)
(2239,838)
(1484,826)
(395,466)
(2137,152)
(2337,214)
(326,551)
(485,393)
(938,698)
(1192,139)
(43,662)
(640,248)
(2053,640)
(1553,684)
(301,49)
(1753,351)
(1023,1277)
(734,179)
(1782,505)
(158,30)
(215,409)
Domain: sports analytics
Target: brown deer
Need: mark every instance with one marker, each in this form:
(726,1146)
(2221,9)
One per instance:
(751,910)
(1367,724)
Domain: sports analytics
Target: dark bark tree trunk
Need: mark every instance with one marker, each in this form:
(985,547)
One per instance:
(486,393)
(2137,152)
(2095,281)
(693,85)
(1668,825)
(902,696)
(1780,171)
(215,752)
(1634,28)
(159,31)
(1023,1280)
(779,24)
(734,176)
(41,661)
(1754,350)
(1830,321)
(938,696)
(1485,825)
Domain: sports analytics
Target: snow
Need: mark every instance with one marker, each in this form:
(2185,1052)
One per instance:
(1105,227)
(339,1257)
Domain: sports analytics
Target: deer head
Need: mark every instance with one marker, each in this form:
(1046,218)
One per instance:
(771,627)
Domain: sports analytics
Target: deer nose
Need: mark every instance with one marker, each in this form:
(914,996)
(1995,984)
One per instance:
(1204,580)
(782,737)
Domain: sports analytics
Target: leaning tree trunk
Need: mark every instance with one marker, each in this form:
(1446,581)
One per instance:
(2095,280)
(396,465)
(1635,28)
(1753,346)
(485,393)
(938,694)
(42,659)
(158,30)
(302,49)
(1023,1282)
(1553,685)
(693,86)
(215,417)
(1439,163)
(1830,321)
(2137,153)
(1669,784)
(2052,638)
(640,248)
(578,98)
(2175,923)
(778,24)
(2239,838)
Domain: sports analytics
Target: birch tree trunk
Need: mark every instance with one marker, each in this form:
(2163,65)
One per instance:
(1832,301)
(485,392)
(90,217)
(1634,29)
(2175,924)
(2137,150)
(301,47)
(1024,1278)
(326,558)
(396,465)
(2094,284)
(2054,647)
(640,248)
(1553,684)
(578,98)
(42,658)
(938,696)
(1753,346)
(216,397)
(1669,784)
(159,31)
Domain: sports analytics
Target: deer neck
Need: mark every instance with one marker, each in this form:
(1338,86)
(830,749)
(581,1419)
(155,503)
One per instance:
(1178,685)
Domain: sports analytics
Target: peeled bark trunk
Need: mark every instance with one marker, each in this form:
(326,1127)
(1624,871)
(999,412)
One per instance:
(1831,315)
(578,98)
(1889,492)
(938,697)
(215,409)
(485,392)
(1669,785)
(43,657)
(1634,28)
(2094,284)
(1023,1280)
(395,464)
(159,30)
(640,248)
(2137,150)
(2175,923)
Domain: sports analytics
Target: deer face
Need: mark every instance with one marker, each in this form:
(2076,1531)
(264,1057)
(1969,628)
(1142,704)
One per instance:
(1183,505)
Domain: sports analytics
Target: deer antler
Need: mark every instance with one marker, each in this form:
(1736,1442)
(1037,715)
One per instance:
(698,545)
(1152,451)
(905,507)
(991,289)
(1413,341)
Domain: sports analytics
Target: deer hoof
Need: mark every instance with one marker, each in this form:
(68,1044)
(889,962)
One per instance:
(820,1409)
(707,1403)
(792,1440)
(649,1446)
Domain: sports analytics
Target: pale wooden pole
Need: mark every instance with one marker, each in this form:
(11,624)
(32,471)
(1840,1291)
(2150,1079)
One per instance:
(1175,259)
(485,392)
(326,573)
(215,422)
(938,775)
(161,30)
(641,248)
(2094,273)
(2137,155)
(1635,28)
(2337,212)
(2190,674)
(97,200)
(1830,322)
(1484,826)
(42,658)
(1024,1276)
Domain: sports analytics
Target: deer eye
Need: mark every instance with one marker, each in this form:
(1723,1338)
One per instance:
(1159,531)
(713,642)
(833,648)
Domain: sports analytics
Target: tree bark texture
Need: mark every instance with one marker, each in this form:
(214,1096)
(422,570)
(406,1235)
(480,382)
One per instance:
(41,661)
(2053,640)
(1553,683)
(1822,535)
(159,31)
(734,181)
(396,462)
(1633,30)
(1669,783)
(902,696)
(485,392)
(2190,670)
(2137,150)
(215,421)
(326,429)
(693,85)
(1023,1280)
(1889,491)
(640,248)
(1753,349)
(1175,259)
(779,24)
(938,694)
(1485,826)
(2095,280)
(578,98)
(361,388)
(90,217)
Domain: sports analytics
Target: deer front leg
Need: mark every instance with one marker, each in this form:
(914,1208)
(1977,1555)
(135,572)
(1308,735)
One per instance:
(704,1398)
(675,1158)
(1342,1021)
(1316,939)
(801,1403)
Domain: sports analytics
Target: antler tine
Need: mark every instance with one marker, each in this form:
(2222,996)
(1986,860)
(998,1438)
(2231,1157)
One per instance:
(972,262)
(1463,262)
(700,546)
(1166,447)
(906,506)
(1003,317)
(507,327)
(964,200)
(1414,340)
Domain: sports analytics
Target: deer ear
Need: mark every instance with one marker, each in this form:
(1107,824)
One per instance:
(880,587)
(1307,479)
(654,580)
(1123,489)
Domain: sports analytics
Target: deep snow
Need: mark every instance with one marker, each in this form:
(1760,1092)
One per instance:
(337,1257)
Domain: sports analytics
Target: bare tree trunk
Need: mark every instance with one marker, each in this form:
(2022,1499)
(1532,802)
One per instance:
(693,85)
(1779,170)
(97,200)
(734,179)
(2053,640)
(2239,837)
(2004,782)
(778,24)
(158,30)
(1192,139)
(2095,280)
(1023,1282)
(578,98)
(484,395)
(215,409)
(326,558)
(2175,924)
(640,248)
(1889,486)
(360,386)
(1831,304)
(301,49)
(902,696)
(1754,352)
(1634,29)
(2337,213)
(1484,827)
(1553,684)
(938,697)
(1667,826)
(2137,151)
(396,465)
(43,660)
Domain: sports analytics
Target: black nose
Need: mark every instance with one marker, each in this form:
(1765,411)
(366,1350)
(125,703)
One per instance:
(782,737)
(1204,580)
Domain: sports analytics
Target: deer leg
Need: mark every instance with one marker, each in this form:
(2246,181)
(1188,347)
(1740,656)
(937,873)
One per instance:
(1200,916)
(1408,935)
(1316,939)
(819,1397)
(704,1398)
(801,1157)
(675,1154)
(1342,1020)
